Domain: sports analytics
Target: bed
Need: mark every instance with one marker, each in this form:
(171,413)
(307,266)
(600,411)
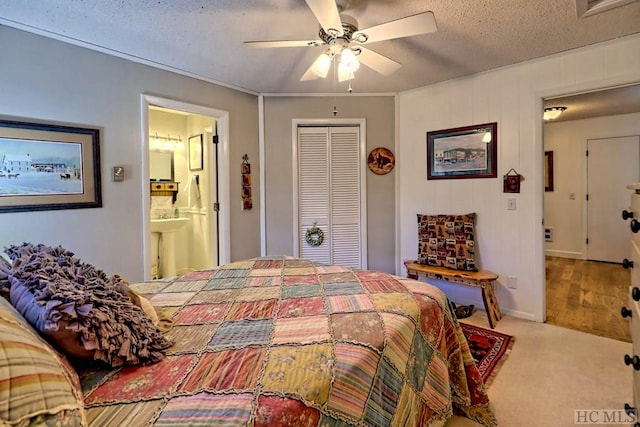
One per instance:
(281,341)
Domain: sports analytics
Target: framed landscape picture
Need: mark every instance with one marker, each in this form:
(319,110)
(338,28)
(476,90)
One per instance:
(464,152)
(48,166)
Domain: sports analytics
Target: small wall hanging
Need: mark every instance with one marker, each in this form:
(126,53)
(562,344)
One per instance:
(247,202)
(512,180)
(381,161)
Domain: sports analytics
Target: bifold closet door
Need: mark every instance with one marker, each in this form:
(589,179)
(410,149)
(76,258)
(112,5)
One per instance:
(329,193)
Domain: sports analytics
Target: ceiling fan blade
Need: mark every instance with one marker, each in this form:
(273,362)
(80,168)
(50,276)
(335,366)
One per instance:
(283,43)
(421,23)
(327,14)
(377,62)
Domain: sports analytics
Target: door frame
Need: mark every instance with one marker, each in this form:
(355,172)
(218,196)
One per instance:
(361,123)
(222,118)
(539,292)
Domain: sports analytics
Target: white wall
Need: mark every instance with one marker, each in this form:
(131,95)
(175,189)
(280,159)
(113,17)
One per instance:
(568,140)
(202,247)
(510,242)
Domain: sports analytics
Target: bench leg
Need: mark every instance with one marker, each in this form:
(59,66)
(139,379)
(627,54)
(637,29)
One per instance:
(491,305)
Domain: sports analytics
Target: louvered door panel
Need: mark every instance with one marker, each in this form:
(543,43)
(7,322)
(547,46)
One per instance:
(313,190)
(345,196)
(345,243)
(329,193)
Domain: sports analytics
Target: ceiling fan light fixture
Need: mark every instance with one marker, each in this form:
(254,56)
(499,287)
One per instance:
(349,61)
(551,113)
(344,74)
(321,65)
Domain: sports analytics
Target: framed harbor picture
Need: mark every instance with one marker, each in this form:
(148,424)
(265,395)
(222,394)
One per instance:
(47,166)
(463,152)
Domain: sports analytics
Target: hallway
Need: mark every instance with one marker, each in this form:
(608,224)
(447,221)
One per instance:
(588,296)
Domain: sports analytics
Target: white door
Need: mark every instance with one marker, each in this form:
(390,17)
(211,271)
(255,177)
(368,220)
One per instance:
(329,187)
(612,164)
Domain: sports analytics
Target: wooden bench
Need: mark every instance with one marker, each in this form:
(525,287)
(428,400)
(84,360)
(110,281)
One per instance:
(483,279)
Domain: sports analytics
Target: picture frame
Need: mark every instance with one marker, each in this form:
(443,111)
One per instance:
(47,166)
(196,154)
(548,171)
(463,152)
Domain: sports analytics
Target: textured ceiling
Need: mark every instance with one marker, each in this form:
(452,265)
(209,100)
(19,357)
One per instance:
(609,102)
(204,38)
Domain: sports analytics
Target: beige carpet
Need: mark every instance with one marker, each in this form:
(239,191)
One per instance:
(552,371)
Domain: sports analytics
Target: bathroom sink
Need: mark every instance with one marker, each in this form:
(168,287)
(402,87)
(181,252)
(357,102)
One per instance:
(167,229)
(167,225)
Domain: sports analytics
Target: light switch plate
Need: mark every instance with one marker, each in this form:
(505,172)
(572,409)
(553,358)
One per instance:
(118,173)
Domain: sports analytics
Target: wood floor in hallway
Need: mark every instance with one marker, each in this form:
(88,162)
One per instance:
(588,296)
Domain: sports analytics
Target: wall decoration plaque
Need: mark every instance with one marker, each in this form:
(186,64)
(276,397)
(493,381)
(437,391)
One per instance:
(381,161)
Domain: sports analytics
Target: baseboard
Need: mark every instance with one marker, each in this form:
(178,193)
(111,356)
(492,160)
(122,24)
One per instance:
(519,314)
(467,295)
(564,254)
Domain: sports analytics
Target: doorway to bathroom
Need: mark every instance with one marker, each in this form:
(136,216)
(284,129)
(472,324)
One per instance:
(185,187)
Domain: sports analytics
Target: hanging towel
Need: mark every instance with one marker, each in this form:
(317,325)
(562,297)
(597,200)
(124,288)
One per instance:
(193,189)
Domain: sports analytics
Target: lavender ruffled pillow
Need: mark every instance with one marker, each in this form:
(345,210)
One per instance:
(81,310)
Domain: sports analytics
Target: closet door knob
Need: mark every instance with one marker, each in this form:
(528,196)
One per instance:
(625,312)
(635,293)
(635,225)
(627,215)
(633,361)
(627,264)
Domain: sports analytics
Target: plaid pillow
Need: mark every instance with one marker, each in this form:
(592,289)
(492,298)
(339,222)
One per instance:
(39,387)
(447,241)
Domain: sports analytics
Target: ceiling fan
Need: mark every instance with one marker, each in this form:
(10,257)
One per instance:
(344,40)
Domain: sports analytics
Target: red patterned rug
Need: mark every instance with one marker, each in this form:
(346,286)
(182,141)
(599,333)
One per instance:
(489,348)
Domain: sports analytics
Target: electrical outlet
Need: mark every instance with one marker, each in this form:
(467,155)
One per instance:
(511,204)
(512,282)
(548,234)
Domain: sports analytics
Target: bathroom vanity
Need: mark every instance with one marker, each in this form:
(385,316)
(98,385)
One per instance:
(164,188)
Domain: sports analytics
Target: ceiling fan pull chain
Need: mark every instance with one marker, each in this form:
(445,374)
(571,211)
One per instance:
(335,110)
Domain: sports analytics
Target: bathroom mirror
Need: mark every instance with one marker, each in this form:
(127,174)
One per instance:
(161,165)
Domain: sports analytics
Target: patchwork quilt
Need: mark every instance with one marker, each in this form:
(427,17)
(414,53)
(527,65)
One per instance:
(283,341)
